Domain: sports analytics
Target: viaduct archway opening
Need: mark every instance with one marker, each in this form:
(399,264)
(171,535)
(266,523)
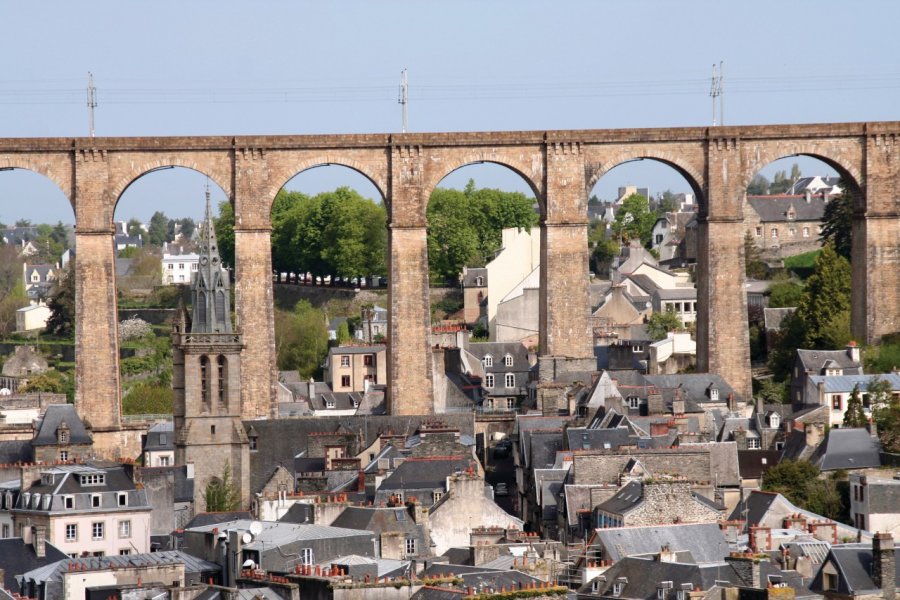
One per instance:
(329,261)
(37,253)
(642,235)
(156,228)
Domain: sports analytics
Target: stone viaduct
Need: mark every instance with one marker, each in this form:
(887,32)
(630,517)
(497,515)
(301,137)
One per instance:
(560,166)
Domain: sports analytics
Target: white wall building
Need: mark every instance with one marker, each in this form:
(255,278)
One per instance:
(177,268)
(519,256)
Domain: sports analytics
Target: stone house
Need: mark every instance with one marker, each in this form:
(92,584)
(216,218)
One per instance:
(785,225)
(83,508)
(60,435)
(655,502)
(424,478)
(834,391)
(25,361)
(860,571)
(823,362)
(39,280)
(377,321)
(401,532)
(158,445)
(475,286)
(354,368)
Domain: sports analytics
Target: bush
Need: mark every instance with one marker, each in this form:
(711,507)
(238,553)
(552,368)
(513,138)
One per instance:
(147,398)
(133,329)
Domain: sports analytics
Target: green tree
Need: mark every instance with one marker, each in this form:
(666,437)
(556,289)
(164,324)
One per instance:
(634,219)
(222,493)
(62,304)
(661,323)
(854,415)
(134,227)
(887,419)
(754,267)
(825,305)
(301,339)
(158,229)
(188,226)
(602,255)
(773,392)
(785,294)
(148,398)
(225,232)
(759,186)
(52,382)
(12,301)
(343,333)
(837,223)
(800,482)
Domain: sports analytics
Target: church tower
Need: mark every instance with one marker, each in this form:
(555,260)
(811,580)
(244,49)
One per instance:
(206,377)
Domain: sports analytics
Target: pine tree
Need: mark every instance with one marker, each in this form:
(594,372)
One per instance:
(837,223)
(221,493)
(825,306)
(854,415)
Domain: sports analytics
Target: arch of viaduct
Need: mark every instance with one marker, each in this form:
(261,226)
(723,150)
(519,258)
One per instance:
(560,166)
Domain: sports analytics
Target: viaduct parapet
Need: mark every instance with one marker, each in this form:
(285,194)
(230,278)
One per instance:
(561,167)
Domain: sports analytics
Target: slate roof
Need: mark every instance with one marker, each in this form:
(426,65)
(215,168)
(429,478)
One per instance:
(884,495)
(214,518)
(579,438)
(160,437)
(472,274)
(280,440)
(53,418)
(498,351)
(378,520)
(480,578)
(424,473)
(854,565)
(774,209)
(55,571)
(642,576)
(13,451)
(773,317)
(704,541)
(624,500)
(814,360)
(694,386)
(753,463)
(768,509)
(17,557)
(681,293)
(278,533)
(847,448)
(835,384)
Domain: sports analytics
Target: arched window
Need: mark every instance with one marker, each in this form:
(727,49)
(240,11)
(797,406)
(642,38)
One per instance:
(204,380)
(222,370)
(488,360)
(508,360)
(201,307)
(220,308)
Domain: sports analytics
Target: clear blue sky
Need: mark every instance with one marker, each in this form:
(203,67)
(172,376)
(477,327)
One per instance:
(291,67)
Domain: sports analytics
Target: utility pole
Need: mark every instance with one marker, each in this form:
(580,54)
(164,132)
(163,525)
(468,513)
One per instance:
(403,99)
(91,101)
(717,90)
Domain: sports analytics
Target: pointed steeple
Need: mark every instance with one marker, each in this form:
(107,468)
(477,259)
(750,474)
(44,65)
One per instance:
(210,285)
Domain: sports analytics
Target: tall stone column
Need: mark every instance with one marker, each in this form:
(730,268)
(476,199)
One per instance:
(255,306)
(723,337)
(410,377)
(566,342)
(411,390)
(96,331)
(875,305)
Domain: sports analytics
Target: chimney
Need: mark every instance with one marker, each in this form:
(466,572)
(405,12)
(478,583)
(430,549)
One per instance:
(814,433)
(873,428)
(39,539)
(853,351)
(883,566)
(748,567)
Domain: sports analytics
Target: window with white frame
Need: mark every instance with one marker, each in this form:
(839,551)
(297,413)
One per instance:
(753,444)
(93,479)
(345,360)
(71,532)
(164,460)
(306,556)
(806,232)
(488,360)
(759,232)
(634,402)
(510,380)
(508,360)
(69,501)
(125,529)
(97,530)
(489,381)
(63,455)
(123,498)
(617,589)
(774,233)
(410,546)
(95,500)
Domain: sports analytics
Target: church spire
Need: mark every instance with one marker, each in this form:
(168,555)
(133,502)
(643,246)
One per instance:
(210,285)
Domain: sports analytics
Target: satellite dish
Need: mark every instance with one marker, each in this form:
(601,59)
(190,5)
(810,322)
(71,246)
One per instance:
(246,538)
(249,564)
(255,528)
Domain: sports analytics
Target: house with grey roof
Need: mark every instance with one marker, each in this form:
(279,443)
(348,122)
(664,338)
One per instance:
(700,543)
(401,532)
(822,362)
(786,224)
(875,501)
(158,445)
(848,448)
(860,570)
(60,435)
(835,391)
(654,503)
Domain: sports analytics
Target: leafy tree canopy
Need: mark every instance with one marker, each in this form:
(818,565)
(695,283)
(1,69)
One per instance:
(222,493)
(158,229)
(785,294)
(301,339)
(837,223)
(62,304)
(661,323)
(799,482)
(634,219)
(225,232)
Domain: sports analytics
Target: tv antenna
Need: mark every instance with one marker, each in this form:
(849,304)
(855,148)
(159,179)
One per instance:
(91,101)
(403,99)
(717,90)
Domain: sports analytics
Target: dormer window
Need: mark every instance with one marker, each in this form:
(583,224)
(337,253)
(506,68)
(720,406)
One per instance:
(508,360)
(833,372)
(791,214)
(88,479)
(488,360)
(774,421)
(713,393)
(479,281)
(329,403)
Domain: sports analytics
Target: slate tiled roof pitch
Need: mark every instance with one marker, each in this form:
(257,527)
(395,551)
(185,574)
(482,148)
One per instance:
(498,351)
(704,541)
(884,495)
(845,383)
(160,437)
(814,360)
(644,574)
(753,463)
(694,386)
(774,209)
(423,473)
(847,448)
(53,418)
(471,274)
(854,564)
(17,557)
(13,451)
